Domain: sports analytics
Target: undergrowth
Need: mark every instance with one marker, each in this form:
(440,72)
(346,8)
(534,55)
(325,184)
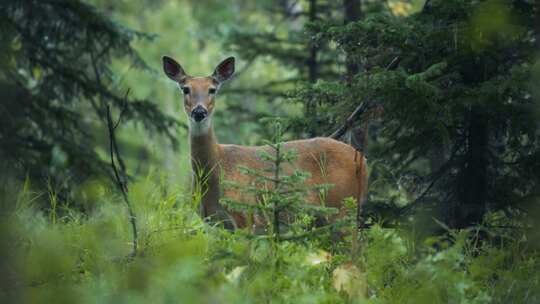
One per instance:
(65,256)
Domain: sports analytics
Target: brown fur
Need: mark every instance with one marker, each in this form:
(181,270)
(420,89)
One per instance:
(327,160)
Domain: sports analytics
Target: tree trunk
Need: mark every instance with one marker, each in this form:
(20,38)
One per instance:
(312,68)
(312,61)
(537,27)
(352,12)
(473,180)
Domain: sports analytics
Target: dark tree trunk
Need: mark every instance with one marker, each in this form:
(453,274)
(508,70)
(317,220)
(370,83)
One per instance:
(352,12)
(474,178)
(537,26)
(312,67)
(313,50)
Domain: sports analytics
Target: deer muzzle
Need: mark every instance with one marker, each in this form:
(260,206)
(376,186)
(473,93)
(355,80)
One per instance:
(199,113)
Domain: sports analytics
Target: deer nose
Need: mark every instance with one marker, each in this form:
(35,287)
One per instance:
(199,113)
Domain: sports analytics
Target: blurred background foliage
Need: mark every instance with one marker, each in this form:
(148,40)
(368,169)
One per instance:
(451,132)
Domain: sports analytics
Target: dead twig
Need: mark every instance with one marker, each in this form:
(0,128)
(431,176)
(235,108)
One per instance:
(360,109)
(120,174)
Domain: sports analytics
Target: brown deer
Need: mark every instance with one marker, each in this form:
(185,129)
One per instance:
(343,166)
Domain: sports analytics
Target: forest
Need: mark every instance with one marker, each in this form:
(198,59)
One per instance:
(419,119)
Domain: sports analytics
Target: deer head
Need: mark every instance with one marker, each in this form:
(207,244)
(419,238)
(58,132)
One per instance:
(199,92)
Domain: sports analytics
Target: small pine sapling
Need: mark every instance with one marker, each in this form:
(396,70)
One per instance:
(279,193)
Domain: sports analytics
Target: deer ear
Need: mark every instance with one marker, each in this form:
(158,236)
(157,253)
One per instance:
(173,69)
(224,70)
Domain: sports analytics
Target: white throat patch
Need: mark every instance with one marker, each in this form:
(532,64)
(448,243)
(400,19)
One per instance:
(199,128)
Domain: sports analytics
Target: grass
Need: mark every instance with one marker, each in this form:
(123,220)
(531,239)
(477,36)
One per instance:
(65,256)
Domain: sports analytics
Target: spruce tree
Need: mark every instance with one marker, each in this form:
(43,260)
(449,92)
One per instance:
(279,193)
(448,95)
(56,81)
(459,123)
(295,50)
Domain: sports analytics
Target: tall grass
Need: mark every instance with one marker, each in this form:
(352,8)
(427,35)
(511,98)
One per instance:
(66,256)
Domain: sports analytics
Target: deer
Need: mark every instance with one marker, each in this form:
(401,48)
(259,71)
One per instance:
(345,167)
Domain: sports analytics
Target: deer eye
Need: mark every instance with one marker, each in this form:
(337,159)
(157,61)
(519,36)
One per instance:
(212,91)
(185,90)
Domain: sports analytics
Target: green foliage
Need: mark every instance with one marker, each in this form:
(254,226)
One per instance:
(457,122)
(55,82)
(280,196)
(456,139)
(80,258)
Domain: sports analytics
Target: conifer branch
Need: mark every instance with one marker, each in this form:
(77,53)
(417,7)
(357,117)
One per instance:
(362,108)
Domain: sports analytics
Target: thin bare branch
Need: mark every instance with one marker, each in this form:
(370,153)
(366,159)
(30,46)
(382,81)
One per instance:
(121,176)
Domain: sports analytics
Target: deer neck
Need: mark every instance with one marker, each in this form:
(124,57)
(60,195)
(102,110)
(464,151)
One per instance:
(204,149)
(205,153)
